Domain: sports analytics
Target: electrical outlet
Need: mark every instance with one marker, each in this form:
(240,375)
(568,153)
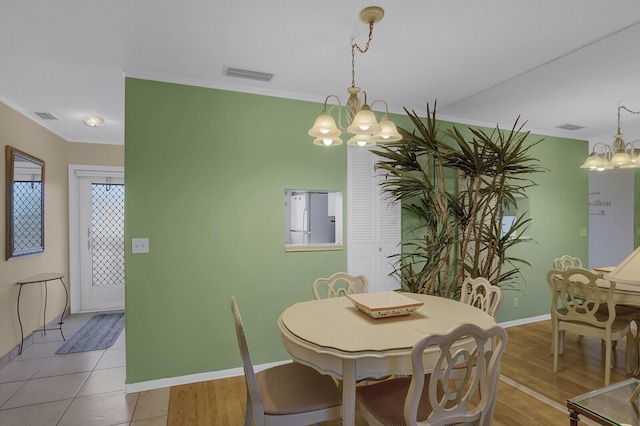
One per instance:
(515,302)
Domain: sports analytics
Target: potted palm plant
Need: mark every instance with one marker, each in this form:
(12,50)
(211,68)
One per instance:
(456,190)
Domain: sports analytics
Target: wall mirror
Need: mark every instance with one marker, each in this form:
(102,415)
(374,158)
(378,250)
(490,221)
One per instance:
(313,220)
(24,203)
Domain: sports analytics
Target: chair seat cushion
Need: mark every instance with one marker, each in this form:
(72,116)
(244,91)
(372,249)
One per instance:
(627,312)
(618,325)
(385,400)
(285,390)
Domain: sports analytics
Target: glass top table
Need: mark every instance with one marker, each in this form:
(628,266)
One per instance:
(610,405)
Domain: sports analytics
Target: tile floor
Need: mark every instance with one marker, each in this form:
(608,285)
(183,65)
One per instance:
(86,388)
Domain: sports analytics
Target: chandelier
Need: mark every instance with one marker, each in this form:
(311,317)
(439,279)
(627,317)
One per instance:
(363,126)
(619,155)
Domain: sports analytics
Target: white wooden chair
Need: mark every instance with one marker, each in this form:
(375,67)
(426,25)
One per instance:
(580,306)
(480,293)
(286,395)
(339,284)
(437,398)
(628,313)
(567,262)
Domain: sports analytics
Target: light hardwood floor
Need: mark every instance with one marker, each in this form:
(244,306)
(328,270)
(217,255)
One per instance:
(526,364)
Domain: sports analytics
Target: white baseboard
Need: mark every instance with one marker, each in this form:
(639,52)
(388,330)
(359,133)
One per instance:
(194,378)
(522,321)
(233,372)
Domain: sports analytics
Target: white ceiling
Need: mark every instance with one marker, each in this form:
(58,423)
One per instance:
(485,62)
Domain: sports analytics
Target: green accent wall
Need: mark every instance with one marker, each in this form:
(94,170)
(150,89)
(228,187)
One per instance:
(205,172)
(205,175)
(559,207)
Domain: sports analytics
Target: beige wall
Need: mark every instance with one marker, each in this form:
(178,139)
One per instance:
(26,135)
(95,154)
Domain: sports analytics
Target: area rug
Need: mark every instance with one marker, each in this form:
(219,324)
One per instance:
(100,332)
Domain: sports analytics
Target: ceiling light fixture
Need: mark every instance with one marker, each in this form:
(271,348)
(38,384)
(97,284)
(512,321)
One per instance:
(94,120)
(363,126)
(619,155)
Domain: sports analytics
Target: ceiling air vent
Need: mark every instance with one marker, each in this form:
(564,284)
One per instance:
(247,74)
(46,115)
(570,127)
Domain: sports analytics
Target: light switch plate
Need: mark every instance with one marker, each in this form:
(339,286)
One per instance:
(583,232)
(139,245)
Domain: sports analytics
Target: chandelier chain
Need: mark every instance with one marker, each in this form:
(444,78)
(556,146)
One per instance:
(355,46)
(626,109)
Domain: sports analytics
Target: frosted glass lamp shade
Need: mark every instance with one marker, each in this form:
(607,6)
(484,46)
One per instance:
(328,141)
(628,271)
(633,165)
(325,127)
(364,123)
(389,132)
(361,141)
(594,162)
(620,158)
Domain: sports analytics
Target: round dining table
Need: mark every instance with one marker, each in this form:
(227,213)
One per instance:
(336,338)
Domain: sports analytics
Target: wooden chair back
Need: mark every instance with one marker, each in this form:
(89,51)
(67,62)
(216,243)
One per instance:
(480,293)
(567,262)
(453,400)
(339,284)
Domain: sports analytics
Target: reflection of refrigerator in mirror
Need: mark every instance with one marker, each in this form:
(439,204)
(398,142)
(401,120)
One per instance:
(310,218)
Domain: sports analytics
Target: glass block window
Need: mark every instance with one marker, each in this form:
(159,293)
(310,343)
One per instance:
(27,215)
(107,235)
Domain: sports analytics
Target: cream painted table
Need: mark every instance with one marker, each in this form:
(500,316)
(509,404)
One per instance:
(335,338)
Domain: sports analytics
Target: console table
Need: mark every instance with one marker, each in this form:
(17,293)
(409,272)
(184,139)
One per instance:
(43,278)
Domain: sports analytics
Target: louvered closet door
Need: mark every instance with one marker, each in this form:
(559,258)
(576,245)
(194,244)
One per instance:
(373,224)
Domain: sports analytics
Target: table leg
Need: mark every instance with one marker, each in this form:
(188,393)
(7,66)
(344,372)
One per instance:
(44,319)
(348,392)
(573,417)
(66,303)
(20,321)
(635,353)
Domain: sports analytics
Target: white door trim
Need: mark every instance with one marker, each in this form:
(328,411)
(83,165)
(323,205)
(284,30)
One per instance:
(76,171)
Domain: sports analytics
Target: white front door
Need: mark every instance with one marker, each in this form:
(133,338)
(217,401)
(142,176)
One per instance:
(102,254)
(97,240)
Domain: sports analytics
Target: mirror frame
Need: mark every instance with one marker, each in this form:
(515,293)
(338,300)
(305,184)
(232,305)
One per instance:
(10,158)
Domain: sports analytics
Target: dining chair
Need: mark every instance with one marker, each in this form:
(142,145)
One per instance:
(627,313)
(285,395)
(339,284)
(579,305)
(436,398)
(480,293)
(567,262)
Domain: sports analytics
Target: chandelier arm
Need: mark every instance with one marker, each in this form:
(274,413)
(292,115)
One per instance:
(332,96)
(332,107)
(605,151)
(386,107)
